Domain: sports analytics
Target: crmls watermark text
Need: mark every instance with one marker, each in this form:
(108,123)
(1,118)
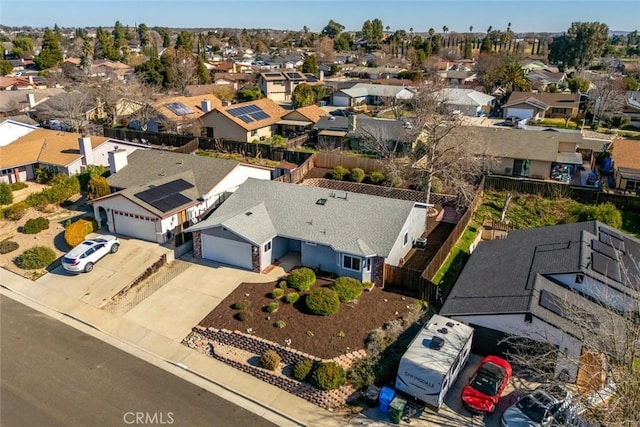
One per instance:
(148,418)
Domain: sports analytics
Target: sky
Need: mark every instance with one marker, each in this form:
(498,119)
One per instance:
(457,15)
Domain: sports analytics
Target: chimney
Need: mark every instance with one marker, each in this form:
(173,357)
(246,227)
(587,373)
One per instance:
(321,75)
(117,160)
(31,99)
(205,105)
(86,150)
(30,80)
(352,123)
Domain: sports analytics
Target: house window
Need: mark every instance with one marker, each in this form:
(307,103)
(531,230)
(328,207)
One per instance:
(557,110)
(351,263)
(368,264)
(579,277)
(406,239)
(254,132)
(267,246)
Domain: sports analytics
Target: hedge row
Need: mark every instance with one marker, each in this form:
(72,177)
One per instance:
(341,173)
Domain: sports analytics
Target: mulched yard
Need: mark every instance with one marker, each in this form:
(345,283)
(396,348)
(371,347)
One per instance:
(323,337)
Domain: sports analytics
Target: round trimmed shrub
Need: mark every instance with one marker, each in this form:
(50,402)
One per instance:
(7,246)
(291,298)
(339,172)
(301,279)
(347,288)
(328,376)
(273,307)
(280,324)
(356,175)
(243,315)
(16,211)
(36,257)
(282,284)
(277,293)
(242,304)
(270,360)
(76,232)
(323,302)
(35,225)
(302,369)
(376,178)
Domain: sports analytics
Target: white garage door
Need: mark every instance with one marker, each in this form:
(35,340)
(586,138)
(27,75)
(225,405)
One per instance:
(341,101)
(135,227)
(523,113)
(226,251)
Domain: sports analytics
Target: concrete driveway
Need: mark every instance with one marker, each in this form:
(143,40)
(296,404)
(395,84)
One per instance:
(185,300)
(110,275)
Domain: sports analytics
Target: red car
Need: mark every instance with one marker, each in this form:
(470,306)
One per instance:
(487,384)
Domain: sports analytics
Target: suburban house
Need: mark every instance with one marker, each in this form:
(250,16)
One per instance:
(279,86)
(536,282)
(246,122)
(181,113)
(301,119)
(14,102)
(24,148)
(348,234)
(374,73)
(625,155)
(631,107)
(542,79)
(331,131)
(537,106)
(370,134)
(157,194)
(468,102)
(370,94)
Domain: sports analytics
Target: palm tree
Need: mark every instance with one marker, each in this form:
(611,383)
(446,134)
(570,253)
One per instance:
(513,78)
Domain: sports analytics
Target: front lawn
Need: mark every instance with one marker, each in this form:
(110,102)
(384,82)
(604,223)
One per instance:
(558,122)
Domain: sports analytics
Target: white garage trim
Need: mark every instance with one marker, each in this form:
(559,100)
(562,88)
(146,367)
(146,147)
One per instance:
(134,225)
(227,251)
(523,113)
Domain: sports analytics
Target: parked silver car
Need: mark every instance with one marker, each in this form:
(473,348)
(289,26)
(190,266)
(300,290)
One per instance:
(86,254)
(545,406)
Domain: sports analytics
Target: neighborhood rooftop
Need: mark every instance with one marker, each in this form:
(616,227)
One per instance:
(348,222)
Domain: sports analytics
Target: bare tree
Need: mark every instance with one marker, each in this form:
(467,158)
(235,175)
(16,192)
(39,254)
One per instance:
(70,108)
(607,95)
(324,49)
(143,95)
(599,345)
(181,69)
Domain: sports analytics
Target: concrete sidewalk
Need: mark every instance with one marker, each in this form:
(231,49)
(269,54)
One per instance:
(242,389)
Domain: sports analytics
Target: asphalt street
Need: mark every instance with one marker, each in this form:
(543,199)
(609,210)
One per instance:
(54,375)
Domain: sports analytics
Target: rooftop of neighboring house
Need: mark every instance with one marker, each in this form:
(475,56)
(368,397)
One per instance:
(312,112)
(260,210)
(550,100)
(469,97)
(14,100)
(44,146)
(507,275)
(626,153)
(253,114)
(184,108)
(145,166)
(546,76)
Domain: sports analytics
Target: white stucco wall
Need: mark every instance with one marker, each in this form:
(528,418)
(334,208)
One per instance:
(415,226)
(100,153)
(10,131)
(599,291)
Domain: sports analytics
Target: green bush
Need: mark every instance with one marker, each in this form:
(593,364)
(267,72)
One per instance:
(347,288)
(36,257)
(362,373)
(277,293)
(604,212)
(282,284)
(302,369)
(243,315)
(35,225)
(376,178)
(291,298)
(7,246)
(323,301)
(76,232)
(356,175)
(62,187)
(301,279)
(98,186)
(339,172)
(280,324)
(15,186)
(242,304)
(270,360)
(16,211)
(6,196)
(90,172)
(272,307)
(328,376)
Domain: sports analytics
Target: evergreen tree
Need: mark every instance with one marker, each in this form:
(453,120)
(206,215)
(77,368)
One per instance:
(310,65)
(119,36)
(51,53)
(143,35)
(184,41)
(204,77)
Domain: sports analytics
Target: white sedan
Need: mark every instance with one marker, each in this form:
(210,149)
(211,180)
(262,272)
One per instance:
(86,254)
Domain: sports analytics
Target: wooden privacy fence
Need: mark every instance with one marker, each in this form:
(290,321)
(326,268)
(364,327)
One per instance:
(298,173)
(410,282)
(329,160)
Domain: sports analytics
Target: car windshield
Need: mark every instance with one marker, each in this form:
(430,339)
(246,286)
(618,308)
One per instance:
(532,408)
(488,379)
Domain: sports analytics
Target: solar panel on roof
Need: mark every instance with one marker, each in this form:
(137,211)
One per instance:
(165,190)
(551,303)
(178,108)
(246,119)
(611,237)
(603,248)
(605,266)
(252,108)
(170,202)
(260,115)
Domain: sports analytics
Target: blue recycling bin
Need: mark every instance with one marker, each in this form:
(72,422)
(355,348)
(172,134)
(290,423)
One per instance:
(386,396)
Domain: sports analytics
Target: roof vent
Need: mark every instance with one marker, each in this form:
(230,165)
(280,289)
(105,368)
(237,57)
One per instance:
(443,331)
(321,202)
(249,213)
(436,343)
(331,118)
(450,324)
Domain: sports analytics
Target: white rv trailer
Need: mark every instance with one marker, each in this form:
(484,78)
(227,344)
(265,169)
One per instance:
(434,359)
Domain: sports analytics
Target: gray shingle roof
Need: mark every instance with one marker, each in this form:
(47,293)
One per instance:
(349,222)
(145,166)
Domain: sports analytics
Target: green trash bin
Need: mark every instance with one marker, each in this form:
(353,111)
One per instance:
(396,409)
